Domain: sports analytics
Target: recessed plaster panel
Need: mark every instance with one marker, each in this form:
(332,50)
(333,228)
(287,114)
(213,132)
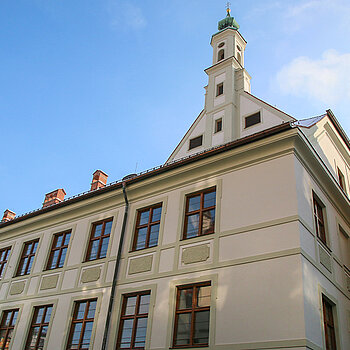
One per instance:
(166,262)
(69,279)
(49,282)
(307,242)
(258,193)
(339,273)
(260,301)
(196,254)
(17,287)
(263,241)
(325,258)
(140,264)
(219,99)
(91,274)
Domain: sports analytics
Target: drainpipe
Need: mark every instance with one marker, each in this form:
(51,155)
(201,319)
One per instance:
(116,270)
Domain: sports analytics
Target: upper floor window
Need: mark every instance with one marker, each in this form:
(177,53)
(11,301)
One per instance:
(82,324)
(252,120)
(200,213)
(341,180)
(99,239)
(319,210)
(239,54)
(328,323)
(196,142)
(218,125)
(27,258)
(4,255)
(39,327)
(133,321)
(147,227)
(221,54)
(7,326)
(219,89)
(58,250)
(192,315)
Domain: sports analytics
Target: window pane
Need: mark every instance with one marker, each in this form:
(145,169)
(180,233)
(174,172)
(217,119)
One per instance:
(144,217)
(66,240)
(125,341)
(203,296)
(194,203)
(141,238)
(98,230)
(94,250)
(92,309)
(209,199)
(192,225)
(81,311)
(130,306)
(208,221)
(87,333)
(39,315)
(104,247)
(153,238)
(34,248)
(48,315)
(108,227)
(63,257)
(201,327)
(183,329)
(186,296)
(157,212)
(54,259)
(76,333)
(144,304)
(59,240)
(141,329)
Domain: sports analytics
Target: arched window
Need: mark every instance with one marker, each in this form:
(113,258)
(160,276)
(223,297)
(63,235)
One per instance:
(221,54)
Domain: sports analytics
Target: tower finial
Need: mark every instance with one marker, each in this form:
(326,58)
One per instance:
(228,10)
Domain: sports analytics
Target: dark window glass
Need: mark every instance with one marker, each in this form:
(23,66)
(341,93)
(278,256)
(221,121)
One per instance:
(319,220)
(252,119)
(200,213)
(27,258)
(196,142)
(7,325)
(341,180)
(82,324)
(192,315)
(133,321)
(147,227)
(328,321)
(38,328)
(218,125)
(58,250)
(221,54)
(219,89)
(99,240)
(4,255)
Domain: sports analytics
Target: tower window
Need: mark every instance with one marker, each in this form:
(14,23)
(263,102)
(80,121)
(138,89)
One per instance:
(221,54)
(341,180)
(196,142)
(239,54)
(221,45)
(252,120)
(218,125)
(219,89)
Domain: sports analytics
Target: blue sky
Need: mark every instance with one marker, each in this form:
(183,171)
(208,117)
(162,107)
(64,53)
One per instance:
(114,84)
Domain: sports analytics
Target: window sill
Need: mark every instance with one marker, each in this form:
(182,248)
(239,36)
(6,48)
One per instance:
(201,236)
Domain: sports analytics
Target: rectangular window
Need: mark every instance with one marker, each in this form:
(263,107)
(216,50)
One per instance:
(133,321)
(82,323)
(328,320)
(99,239)
(319,219)
(58,250)
(341,180)
(218,125)
(252,120)
(147,227)
(192,315)
(219,89)
(7,325)
(196,142)
(38,328)
(200,213)
(4,255)
(27,258)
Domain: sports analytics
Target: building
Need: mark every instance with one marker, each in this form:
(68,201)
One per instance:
(239,241)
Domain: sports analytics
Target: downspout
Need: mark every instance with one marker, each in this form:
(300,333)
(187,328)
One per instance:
(116,270)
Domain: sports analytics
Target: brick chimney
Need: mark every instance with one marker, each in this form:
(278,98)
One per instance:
(8,215)
(54,197)
(99,180)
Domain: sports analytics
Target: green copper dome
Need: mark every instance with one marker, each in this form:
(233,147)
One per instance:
(228,21)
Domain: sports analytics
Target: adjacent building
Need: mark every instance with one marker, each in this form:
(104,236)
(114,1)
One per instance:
(239,241)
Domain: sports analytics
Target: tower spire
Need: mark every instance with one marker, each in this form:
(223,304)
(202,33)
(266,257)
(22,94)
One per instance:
(228,21)
(228,10)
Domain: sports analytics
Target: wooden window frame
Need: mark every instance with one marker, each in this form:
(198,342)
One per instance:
(219,89)
(41,325)
(200,211)
(29,256)
(327,308)
(319,219)
(193,310)
(250,116)
(218,122)
(148,225)
(4,260)
(133,317)
(341,180)
(84,321)
(100,238)
(60,249)
(8,328)
(190,146)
